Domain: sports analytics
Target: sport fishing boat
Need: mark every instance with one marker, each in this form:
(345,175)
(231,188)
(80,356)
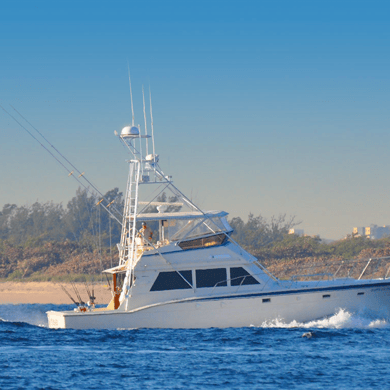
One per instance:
(179,267)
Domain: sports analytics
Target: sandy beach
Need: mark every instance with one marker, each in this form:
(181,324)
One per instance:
(48,292)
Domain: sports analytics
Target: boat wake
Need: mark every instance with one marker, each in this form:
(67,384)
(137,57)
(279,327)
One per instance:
(341,320)
(32,314)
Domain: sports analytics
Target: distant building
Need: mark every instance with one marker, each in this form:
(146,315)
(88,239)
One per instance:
(297,232)
(382,231)
(359,231)
(374,232)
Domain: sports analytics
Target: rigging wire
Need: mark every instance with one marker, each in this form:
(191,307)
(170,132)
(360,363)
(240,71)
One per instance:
(109,230)
(70,172)
(81,174)
(108,281)
(99,220)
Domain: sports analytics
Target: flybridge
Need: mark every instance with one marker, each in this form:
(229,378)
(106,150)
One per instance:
(179,219)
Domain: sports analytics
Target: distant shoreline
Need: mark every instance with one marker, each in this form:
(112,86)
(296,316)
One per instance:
(48,292)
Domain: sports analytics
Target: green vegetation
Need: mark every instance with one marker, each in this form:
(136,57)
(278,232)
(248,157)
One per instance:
(46,241)
(270,240)
(81,221)
(257,232)
(77,278)
(49,260)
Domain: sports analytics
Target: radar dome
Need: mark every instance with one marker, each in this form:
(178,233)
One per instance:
(130,131)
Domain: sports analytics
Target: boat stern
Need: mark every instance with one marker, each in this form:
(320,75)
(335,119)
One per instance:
(56,319)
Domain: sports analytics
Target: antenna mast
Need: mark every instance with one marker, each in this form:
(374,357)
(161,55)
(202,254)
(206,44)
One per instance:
(151,118)
(146,129)
(131,97)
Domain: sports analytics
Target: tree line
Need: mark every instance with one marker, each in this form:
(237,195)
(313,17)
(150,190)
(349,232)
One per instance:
(82,220)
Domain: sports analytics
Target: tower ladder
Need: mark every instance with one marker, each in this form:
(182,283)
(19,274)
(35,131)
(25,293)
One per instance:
(127,247)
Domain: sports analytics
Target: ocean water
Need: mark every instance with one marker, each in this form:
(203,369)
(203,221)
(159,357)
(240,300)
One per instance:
(343,352)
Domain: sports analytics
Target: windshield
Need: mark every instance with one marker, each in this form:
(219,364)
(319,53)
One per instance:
(187,229)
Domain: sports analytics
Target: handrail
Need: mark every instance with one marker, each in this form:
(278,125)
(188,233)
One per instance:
(295,277)
(230,280)
(368,263)
(373,267)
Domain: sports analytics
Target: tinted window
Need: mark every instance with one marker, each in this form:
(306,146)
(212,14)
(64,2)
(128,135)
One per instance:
(211,277)
(240,277)
(172,281)
(218,239)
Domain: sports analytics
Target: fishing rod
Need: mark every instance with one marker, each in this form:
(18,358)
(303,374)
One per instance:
(91,296)
(67,293)
(87,288)
(77,293)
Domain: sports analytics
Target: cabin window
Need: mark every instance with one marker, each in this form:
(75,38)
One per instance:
(172,281)
(360,293)
(218,239)
(211,277)
(326,296)
(240,277)
(266,300)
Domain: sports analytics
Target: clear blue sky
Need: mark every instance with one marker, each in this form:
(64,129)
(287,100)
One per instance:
(266,107)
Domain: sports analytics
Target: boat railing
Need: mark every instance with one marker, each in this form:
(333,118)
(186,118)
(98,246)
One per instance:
(332,269)
(323,274)
(336,270)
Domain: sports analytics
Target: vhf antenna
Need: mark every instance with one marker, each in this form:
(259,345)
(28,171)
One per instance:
(146,129)
(151,118)
(131,97)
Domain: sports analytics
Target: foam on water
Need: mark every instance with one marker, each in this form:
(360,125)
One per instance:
(35,314)
(342,319)
(29,314)
(267,357)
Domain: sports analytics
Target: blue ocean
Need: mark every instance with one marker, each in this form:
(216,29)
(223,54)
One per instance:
(343,352)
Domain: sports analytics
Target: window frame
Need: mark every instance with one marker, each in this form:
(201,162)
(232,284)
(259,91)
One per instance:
(189,285)
(220,283)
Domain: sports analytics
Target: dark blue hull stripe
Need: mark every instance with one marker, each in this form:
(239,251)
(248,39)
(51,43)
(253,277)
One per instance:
(301,291)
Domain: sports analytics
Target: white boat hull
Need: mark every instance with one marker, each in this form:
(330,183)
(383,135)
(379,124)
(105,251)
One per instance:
(237,311)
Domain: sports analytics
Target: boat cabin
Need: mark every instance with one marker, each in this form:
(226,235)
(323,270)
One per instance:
(162,267)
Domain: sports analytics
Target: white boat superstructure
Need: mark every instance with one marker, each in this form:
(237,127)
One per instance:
(180,268)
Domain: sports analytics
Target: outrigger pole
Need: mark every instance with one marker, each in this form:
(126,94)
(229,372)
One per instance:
(69,171)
